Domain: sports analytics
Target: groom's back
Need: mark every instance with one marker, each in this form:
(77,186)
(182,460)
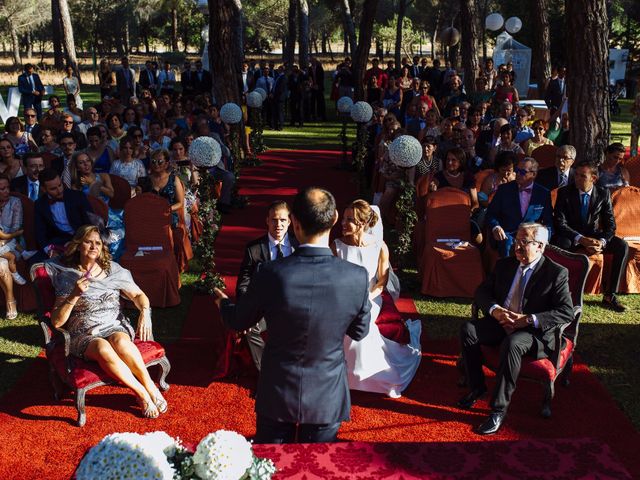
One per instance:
(309,300)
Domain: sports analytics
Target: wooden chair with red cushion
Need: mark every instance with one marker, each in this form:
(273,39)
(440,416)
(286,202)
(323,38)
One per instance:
(422,192)
(545,155)
(147,221)
(626,210)
(547,370)
(449,272)
(121,192)
(76,373)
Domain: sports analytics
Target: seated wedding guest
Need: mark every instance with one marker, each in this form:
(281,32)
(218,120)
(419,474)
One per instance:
(10,165)
(303,394)
(561,174)
(489,139)
(584,220)
(69,128)
(612,174)
(156,138)
(73,110)
(31,126)
(91,119)
(474,121)
(277,243)
(431,127)
(163,182)
(11,229)
(48,145)
(503,173)
(429,163)
(21,141)
(517,202)
(128,167)
(522,131)
(416,123)
(520,325)
(85,178)
(29,184)
(88,286)
(141,149)
(58,214)
(455,175)
(99,151)
(473,162)
(375,363)
(506,143)
(538,139)
(61,164)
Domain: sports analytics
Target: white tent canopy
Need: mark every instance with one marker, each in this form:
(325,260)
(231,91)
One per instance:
(509,50)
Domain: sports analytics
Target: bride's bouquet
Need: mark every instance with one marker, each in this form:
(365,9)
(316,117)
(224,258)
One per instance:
(222,455)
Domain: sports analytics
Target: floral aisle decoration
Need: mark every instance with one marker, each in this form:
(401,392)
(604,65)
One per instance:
(405,152)
(205,153)
(343,106)
(222,455)
(361,113)
(256,122)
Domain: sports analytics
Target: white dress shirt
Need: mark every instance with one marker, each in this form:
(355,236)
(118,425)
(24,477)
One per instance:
(287,249)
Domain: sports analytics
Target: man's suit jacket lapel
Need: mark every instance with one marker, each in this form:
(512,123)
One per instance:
(593,201)
(534,277)
(510,273)
(264,249)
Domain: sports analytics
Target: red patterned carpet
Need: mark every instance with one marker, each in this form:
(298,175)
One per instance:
(587,436)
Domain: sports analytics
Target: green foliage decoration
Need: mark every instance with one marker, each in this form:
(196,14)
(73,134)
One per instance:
(406,220)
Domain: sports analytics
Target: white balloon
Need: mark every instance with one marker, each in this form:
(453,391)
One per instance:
(493,22)
(513,25)
(344,104)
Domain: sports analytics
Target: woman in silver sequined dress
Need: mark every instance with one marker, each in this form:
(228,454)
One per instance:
(88,287)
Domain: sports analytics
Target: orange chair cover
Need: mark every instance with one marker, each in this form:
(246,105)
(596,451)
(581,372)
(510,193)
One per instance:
(99,207)
(633,165)
(545,155)
(147,220)
(480,177)
(446,272)
(121,192)
(626,210)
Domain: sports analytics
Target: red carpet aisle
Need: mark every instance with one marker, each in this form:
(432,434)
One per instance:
(38,438)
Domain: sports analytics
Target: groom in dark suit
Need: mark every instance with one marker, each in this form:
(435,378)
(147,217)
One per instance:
(310,301)
(525,299)
(277,243)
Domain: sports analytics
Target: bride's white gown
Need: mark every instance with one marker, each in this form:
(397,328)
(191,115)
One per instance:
(375,363)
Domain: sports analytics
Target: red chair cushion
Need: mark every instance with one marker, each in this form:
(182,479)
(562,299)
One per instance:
(541,370)
(84,373)
(390,322)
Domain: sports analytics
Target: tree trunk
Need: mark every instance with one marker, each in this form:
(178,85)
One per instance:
(15,46)
(364,44)
(290,49)
(28,42)
(349,27)
(56,30)
(541,43)
(67,36)
(126,44)
(402,9)
(225,49)
(469,41)
(174,28)
(303,34)
(323,42)
(483,30)
(434,35)
(588,77)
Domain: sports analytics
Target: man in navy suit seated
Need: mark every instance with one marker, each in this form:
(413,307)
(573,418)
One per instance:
(518,202)
(310,300)
(58,214)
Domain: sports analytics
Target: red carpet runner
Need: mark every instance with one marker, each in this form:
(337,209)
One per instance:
(39,438)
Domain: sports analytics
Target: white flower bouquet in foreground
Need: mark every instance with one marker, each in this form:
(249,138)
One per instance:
(222,455)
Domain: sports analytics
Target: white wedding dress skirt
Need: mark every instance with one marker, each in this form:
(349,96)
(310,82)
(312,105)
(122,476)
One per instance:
(375,363)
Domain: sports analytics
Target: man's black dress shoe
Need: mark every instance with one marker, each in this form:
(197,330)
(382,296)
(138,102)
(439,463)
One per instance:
(492,424)
(469,400)
(613,303)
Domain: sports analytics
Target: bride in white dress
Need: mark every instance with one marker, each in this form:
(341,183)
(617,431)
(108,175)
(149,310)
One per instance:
(375,363)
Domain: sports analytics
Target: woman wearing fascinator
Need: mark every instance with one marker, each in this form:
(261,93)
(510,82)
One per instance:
(376,363)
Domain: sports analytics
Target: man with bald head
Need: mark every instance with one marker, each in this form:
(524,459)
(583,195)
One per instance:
(310,300)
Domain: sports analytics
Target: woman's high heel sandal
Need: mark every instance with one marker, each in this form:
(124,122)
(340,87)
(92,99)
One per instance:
(149,409)
(12,311)
(160,402)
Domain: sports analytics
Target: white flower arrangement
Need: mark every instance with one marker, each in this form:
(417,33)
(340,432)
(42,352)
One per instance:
(222,455)
(405,151)
(205,152)
(262,92)
(344,104)
(128,455)
(361,112)
(231,113)
(254,99)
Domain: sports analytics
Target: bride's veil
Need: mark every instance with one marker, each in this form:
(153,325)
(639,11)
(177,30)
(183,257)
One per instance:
(377,232)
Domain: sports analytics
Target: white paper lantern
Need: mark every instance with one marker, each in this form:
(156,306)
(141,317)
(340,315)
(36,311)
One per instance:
(262,93)
(205,152)
(361,112)
(494,22)
(450,36)
(405,151)
(231,113)
(513,25)
(344,104)
(254,99)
